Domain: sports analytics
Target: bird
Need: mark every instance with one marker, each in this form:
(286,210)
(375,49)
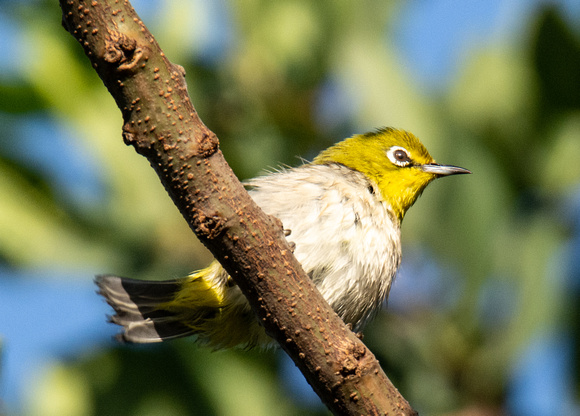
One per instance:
(343,212)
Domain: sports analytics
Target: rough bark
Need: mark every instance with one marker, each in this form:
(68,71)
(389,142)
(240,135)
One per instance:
(161,123)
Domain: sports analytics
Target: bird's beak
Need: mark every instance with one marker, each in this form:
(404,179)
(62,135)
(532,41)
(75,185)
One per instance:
(443,170)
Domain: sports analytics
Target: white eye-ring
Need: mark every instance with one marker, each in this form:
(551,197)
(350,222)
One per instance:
(399,156)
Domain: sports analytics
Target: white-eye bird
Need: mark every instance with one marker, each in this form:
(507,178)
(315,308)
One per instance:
(344,213)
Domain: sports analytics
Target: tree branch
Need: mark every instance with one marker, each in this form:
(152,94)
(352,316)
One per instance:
(161,123)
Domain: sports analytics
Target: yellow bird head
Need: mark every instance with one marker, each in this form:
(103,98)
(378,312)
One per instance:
(395,160)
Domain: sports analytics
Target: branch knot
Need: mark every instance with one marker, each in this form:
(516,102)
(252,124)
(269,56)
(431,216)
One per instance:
(122,51)
(209,225)
(207,145)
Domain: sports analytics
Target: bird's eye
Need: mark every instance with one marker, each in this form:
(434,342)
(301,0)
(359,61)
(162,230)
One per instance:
(399,156)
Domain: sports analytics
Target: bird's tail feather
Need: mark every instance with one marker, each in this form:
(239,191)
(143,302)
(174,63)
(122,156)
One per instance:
(206,304)
(138,308)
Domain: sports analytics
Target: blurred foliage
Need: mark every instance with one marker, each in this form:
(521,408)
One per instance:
(290,79)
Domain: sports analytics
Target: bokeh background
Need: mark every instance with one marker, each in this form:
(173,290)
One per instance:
(483,318)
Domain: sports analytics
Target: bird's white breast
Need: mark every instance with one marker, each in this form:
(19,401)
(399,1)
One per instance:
(346,239)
